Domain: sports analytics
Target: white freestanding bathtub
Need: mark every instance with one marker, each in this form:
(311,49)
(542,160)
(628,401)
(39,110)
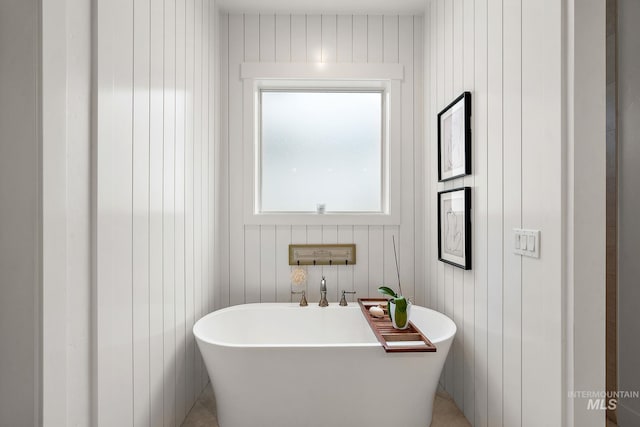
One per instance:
(282,365)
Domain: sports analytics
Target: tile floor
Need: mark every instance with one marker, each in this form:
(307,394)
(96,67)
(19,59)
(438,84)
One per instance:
(445,412)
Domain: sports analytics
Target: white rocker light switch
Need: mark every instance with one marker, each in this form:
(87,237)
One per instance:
(527,242)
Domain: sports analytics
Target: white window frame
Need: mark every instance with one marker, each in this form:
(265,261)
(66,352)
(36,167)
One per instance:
(383,77)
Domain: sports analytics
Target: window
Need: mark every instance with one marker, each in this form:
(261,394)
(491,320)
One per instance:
(321,148)
(321,136)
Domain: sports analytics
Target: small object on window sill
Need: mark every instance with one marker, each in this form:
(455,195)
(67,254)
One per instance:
(320,208)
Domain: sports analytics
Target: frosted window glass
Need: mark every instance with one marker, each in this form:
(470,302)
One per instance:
(321,148)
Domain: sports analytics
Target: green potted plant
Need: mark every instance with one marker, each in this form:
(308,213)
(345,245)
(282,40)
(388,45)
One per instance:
(398,306)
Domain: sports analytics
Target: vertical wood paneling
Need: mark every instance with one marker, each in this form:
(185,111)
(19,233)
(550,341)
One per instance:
(387,51)
(458,49)
(314,235)
(390,39)
(261,272)
(197,186)
(236,237)
(401,34)
(283,38)
(494,210)
(298,38)
(188,209)
(431,158)
(360,39)
(420,190)
(182,404)
(345,272)
(449,310)
(447,270)
(449,54)
(252,38)
(267,38)
(330,235)
(252,267)
(204,160)
(458,275)
(361,269)
(512,320)
(193,212)
(542,150)
(469,276)
(222,166)
(329,38)
(298,236)
(463,61)
(344,48)
(268,263)
(168,215)
(389,274)
(153,208)
(440,104)
(141,392)
(212,108)
(314,38)
(114,225)
(511,62)
(66,270)
(204,186)
(252,244)
(375,41)
(480,246)
(283,272)
(216,71)
(376,258)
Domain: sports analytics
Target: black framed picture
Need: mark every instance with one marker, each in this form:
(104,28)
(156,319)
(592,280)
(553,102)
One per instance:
(454,139)
(454,227)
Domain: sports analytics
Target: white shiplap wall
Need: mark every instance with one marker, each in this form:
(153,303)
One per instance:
(255,266)
(505,366)
(154,190)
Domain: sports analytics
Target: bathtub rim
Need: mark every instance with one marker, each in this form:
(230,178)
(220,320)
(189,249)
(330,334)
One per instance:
(374,344)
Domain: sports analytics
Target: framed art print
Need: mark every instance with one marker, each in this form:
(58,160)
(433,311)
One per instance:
(454,139)
(454,227)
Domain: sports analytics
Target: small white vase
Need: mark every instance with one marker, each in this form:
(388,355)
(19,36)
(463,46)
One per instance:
(392,312)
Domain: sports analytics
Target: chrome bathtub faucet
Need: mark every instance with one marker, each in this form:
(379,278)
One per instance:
(323,293)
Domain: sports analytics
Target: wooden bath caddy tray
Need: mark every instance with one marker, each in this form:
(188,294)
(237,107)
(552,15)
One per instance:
(392,339)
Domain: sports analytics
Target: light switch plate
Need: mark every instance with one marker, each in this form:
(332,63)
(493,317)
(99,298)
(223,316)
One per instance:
(526,242)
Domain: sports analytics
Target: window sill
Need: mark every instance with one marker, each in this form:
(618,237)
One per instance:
(323,219)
